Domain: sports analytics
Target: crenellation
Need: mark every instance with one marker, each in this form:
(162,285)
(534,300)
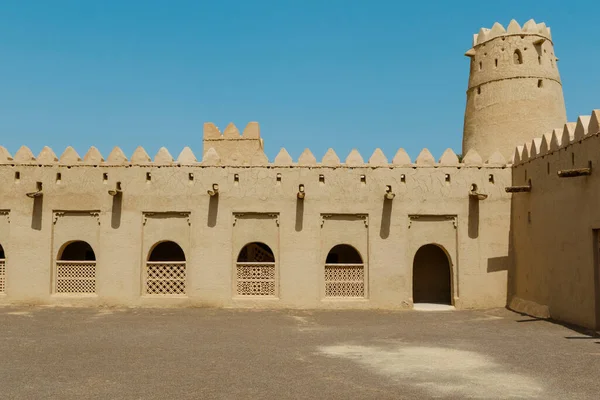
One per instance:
(252,131)
(401,158)
(568,134)
(117,157)
(211,131)
(544,148)
(497,30)
(24,155)
(594,126)
(513,29)
(211,157)
(69,156)
(354,159)
(581,129)
(47,156)
(163,157)
(534,147)
(5,156)
(307,158)
(231,132)
(525,153)
(556,140)
(449,157)
(472,158)
(496,159)
(330,159)
(378,158)
(187,157)
(140,156)
(560,138)
(425,158)
(93,156)
(517,155)
(283,158)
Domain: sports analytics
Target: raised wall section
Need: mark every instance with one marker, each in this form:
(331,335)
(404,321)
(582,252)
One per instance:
(136,202)
(553,227)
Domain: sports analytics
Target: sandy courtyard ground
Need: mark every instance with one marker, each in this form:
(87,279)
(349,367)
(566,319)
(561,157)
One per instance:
(69,353)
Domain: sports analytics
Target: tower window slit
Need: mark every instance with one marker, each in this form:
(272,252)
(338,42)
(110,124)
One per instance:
(518,57)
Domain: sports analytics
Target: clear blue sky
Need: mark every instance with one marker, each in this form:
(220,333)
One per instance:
(314,73)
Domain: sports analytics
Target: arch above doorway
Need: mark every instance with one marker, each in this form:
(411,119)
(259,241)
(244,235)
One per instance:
(432,275)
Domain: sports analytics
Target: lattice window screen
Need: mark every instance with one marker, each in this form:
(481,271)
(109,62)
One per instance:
(75,277)
(255,278)
(344,280)
(2,275)
(165,278)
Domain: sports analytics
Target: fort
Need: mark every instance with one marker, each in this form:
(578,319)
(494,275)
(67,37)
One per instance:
(511,222)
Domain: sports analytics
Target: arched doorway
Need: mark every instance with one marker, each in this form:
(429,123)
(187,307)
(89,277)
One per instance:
(344,272)
(431,276)
(2,270)
(75,268)
(165,272)
(255,271)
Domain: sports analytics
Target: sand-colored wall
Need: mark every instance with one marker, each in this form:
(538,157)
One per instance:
(168,200)
(510,102)
(553,227)
(233,147)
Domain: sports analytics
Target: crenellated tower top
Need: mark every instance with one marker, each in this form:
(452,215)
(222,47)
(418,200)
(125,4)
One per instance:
(514,91)
(531,28)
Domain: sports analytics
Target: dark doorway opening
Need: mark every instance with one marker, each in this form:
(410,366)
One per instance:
(431,276)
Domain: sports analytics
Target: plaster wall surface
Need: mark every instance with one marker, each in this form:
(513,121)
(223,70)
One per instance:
(554,226)
(344,203)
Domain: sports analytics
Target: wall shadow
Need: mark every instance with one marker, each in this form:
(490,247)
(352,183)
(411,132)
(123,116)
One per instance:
(473,217)
(117,204)
(586,332)
(386,218)
(36,215)
(213,210)
(496,264)
(510,262)
(299,214)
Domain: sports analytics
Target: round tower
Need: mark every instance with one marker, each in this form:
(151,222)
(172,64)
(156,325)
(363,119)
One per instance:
(514,93)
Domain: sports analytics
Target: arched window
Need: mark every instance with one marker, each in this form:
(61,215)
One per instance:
(2,270)
(255,271)
(344,272)
(75,268)
(431,276)
(166,251)
(165,272)
(518,57)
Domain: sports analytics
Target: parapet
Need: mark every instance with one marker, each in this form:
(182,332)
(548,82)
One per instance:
(571,133)
(513,28)
(212,157)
